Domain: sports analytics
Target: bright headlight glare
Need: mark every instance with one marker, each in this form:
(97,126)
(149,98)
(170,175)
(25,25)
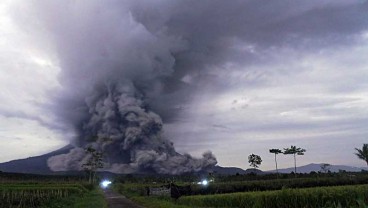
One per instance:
(105,183)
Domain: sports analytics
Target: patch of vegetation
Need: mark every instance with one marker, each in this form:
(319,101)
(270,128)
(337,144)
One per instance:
(157,202)
(341,196)
(91,199)
(49,194)
(34,196)
(324,190)
(264,185)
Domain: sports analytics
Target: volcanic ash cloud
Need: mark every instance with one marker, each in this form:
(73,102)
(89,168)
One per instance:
(111,68)
(129,136)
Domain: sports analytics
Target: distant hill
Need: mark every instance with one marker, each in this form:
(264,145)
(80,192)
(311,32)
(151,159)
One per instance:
(317,167)
(38,165)
(228,170)
(254,171)
(234,170)
(33,165)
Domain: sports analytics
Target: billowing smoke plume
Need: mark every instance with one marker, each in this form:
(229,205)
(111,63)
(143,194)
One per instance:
(129,135)
(112,67)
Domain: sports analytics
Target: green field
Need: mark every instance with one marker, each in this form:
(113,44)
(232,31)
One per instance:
(327,191)
(32,194)
(337,196)
(277,184)
(322,190)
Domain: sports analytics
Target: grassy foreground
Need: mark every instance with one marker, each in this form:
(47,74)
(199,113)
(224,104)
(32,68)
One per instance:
(276,184)
(90,199)
(334,196)
(50,194)
(338,196)
(157,202)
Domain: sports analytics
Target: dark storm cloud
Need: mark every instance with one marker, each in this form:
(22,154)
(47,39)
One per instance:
(245,33)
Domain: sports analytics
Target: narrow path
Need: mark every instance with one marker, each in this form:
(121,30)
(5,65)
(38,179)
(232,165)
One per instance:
(116,200)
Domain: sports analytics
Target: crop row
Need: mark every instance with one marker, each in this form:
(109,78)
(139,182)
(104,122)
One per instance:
(39,186)
(28,196)
(266,185)
(340,196)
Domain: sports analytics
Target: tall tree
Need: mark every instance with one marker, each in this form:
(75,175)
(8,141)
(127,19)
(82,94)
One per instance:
(254,160)
(93,163)
(293,150)
(362,153)
(276,151)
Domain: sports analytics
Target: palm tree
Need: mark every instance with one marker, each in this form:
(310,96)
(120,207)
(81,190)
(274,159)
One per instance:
(293,150)
(362,153)
(276,151)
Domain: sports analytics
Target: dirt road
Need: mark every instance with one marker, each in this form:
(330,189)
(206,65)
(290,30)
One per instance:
(116,200)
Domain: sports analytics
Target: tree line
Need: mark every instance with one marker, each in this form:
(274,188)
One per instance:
(256,160)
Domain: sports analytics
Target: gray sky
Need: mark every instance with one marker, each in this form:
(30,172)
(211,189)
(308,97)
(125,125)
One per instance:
(240,77)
